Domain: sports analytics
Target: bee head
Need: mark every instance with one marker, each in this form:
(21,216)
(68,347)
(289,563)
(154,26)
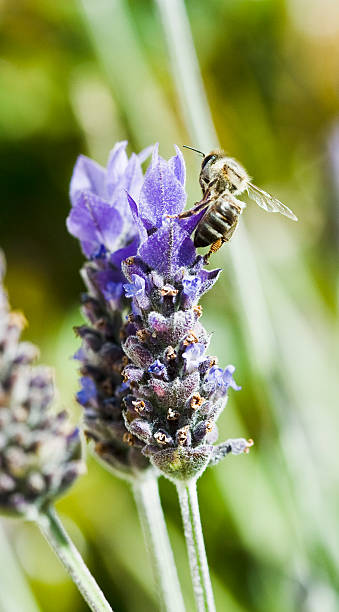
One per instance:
(226,173)
(208,167)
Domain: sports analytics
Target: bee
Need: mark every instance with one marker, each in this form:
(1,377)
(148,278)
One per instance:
(222,179)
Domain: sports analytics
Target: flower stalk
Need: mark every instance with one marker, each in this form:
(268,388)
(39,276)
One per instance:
(55,534)
(146,494)
(186,74)
(188,499)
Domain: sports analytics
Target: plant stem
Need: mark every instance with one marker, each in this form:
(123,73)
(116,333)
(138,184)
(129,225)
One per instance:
(187,492)
(186,73)
(72,561)
(115,42)
(15,593)
(151,516)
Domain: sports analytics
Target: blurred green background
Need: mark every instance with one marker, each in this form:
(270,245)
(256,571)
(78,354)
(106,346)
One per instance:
(74,78)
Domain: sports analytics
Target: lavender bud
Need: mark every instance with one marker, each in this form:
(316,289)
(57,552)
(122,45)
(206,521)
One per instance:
(39,451)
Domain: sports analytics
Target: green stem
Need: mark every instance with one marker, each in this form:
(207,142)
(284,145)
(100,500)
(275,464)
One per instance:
(15,593)
(151,516)
(72,561)
(186,73)
(187,492)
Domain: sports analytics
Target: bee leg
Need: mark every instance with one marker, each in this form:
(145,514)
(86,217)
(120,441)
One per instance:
(198,206)
(192,211)
(214,248)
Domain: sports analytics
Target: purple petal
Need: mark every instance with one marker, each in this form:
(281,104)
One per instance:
(157,368)
(168,249)
(94,222)
(190,223)
(228,379)
(87,392)
(118,256)
(87,176)
(145,153)
(109,282)
(80,354)
(161,194)
(112,292)
(155,154)
(133,177)
(177,165)
(131,180)
(208,278)
(191,287)
(134,209)
(214,376)
(193,355)
(136,287)
(116,165)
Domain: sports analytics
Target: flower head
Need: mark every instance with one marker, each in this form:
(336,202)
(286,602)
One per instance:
(39,451)
(174,392)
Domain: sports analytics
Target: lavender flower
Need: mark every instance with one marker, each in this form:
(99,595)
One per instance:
(39,450)
(173,393)
(184,391)
(105,223)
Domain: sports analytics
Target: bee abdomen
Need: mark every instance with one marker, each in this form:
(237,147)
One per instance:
(205,235)
(215,224)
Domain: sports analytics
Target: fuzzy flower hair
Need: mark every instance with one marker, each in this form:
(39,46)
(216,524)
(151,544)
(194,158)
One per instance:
(151,392)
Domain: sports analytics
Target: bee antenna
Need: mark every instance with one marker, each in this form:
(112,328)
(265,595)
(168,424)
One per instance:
(196,150)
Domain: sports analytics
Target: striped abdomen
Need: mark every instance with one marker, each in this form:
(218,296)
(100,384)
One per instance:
(219,219)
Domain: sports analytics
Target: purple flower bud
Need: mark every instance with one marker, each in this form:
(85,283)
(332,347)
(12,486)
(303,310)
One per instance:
(79,355)
(236,446)
(228,379)
(157,369)
(136,288)
(193,355)
(220,380)
(214,377)
(158,322)
(112,291)
(141,429)
(88,391)
(191,287)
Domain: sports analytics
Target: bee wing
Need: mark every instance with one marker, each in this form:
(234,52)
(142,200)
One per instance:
(268,203)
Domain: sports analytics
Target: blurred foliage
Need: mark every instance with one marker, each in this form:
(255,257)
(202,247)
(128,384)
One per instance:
(69,84)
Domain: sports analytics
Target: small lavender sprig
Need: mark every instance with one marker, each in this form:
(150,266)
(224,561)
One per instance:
(40,455)
(102,219)
(40,452)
